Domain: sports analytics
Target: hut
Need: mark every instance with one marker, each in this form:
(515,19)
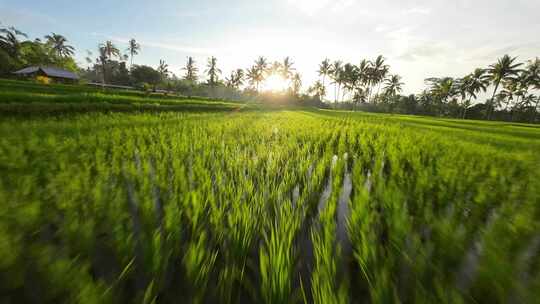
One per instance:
(57,74)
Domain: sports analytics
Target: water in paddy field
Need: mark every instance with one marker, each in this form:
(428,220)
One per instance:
(343,212)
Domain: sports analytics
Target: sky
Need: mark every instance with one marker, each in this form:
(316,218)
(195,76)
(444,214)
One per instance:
(418,38)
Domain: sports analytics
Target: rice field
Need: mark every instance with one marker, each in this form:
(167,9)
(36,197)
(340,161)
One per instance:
(267,206)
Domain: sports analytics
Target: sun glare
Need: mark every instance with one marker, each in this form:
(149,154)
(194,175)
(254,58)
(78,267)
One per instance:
(275,83)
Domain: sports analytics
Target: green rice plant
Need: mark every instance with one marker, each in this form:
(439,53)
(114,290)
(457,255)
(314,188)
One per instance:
(277,258)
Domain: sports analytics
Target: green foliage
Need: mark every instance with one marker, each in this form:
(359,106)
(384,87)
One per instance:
(145,74)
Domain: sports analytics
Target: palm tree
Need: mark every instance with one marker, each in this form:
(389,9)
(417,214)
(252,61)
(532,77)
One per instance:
(442,89)
(254,76)
(471,85)
(273,68)
(59,46)
(324,70)
(286,68)
(393,85)
(378,72)
(318,90)
(9,41)
(349,78)
(336,77)
(239,78)
(296,84)
(532,73)
(261,64)
(504,70)
(110,50)
(236,79)
(212,71)
(102,60)
(191,70)
(360,96)
(163,69)
(133,49)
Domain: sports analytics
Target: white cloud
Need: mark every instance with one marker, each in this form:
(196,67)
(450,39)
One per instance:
(24,18)
(417,10)
(309,7)
(161,45)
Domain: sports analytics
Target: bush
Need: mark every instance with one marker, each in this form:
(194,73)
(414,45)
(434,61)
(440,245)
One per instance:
(43,80)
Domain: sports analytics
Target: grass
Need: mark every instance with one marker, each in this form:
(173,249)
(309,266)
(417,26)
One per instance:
(225,206)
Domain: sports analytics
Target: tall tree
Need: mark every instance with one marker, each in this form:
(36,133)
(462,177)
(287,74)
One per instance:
(273,69)
(212,71)
(255,76)
(393,85)
(442,89)
(325,69)
(163,70)
(349,79)
(236,79)
(110,50)
(378,70)
(317,89)
(296,84)
(9,41)
(191,70)
(471,85)
(102,60)
(336,72)
(133,49)
(286,68)
(59,45)
(504,70)
(261,64)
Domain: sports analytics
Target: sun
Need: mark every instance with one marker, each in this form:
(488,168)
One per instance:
(275,83)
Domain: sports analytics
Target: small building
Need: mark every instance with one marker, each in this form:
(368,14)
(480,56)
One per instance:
(57,74)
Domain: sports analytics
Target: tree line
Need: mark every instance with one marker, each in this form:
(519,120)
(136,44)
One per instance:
(514,90)
(17,51)
(512,86)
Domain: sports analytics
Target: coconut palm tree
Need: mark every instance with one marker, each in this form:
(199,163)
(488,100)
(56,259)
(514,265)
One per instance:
(504,70)
(212,71)
(379,70)
(296,84)
(254,76)
(336,70)
(325,69)
(191,70)
(110,50)
(317,90)
(133,49)
(163,69)
(349,79)
(9,41)
(262,66)
(360,96)
(59,46)
(532,73)
(442,89)
(236,79)
(393,85)
(102,60)
(471,85)
(273,69)
(286,68)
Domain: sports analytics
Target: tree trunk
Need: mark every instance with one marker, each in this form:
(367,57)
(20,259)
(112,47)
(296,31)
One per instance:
(378,90)
(466,107)
(491,105)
